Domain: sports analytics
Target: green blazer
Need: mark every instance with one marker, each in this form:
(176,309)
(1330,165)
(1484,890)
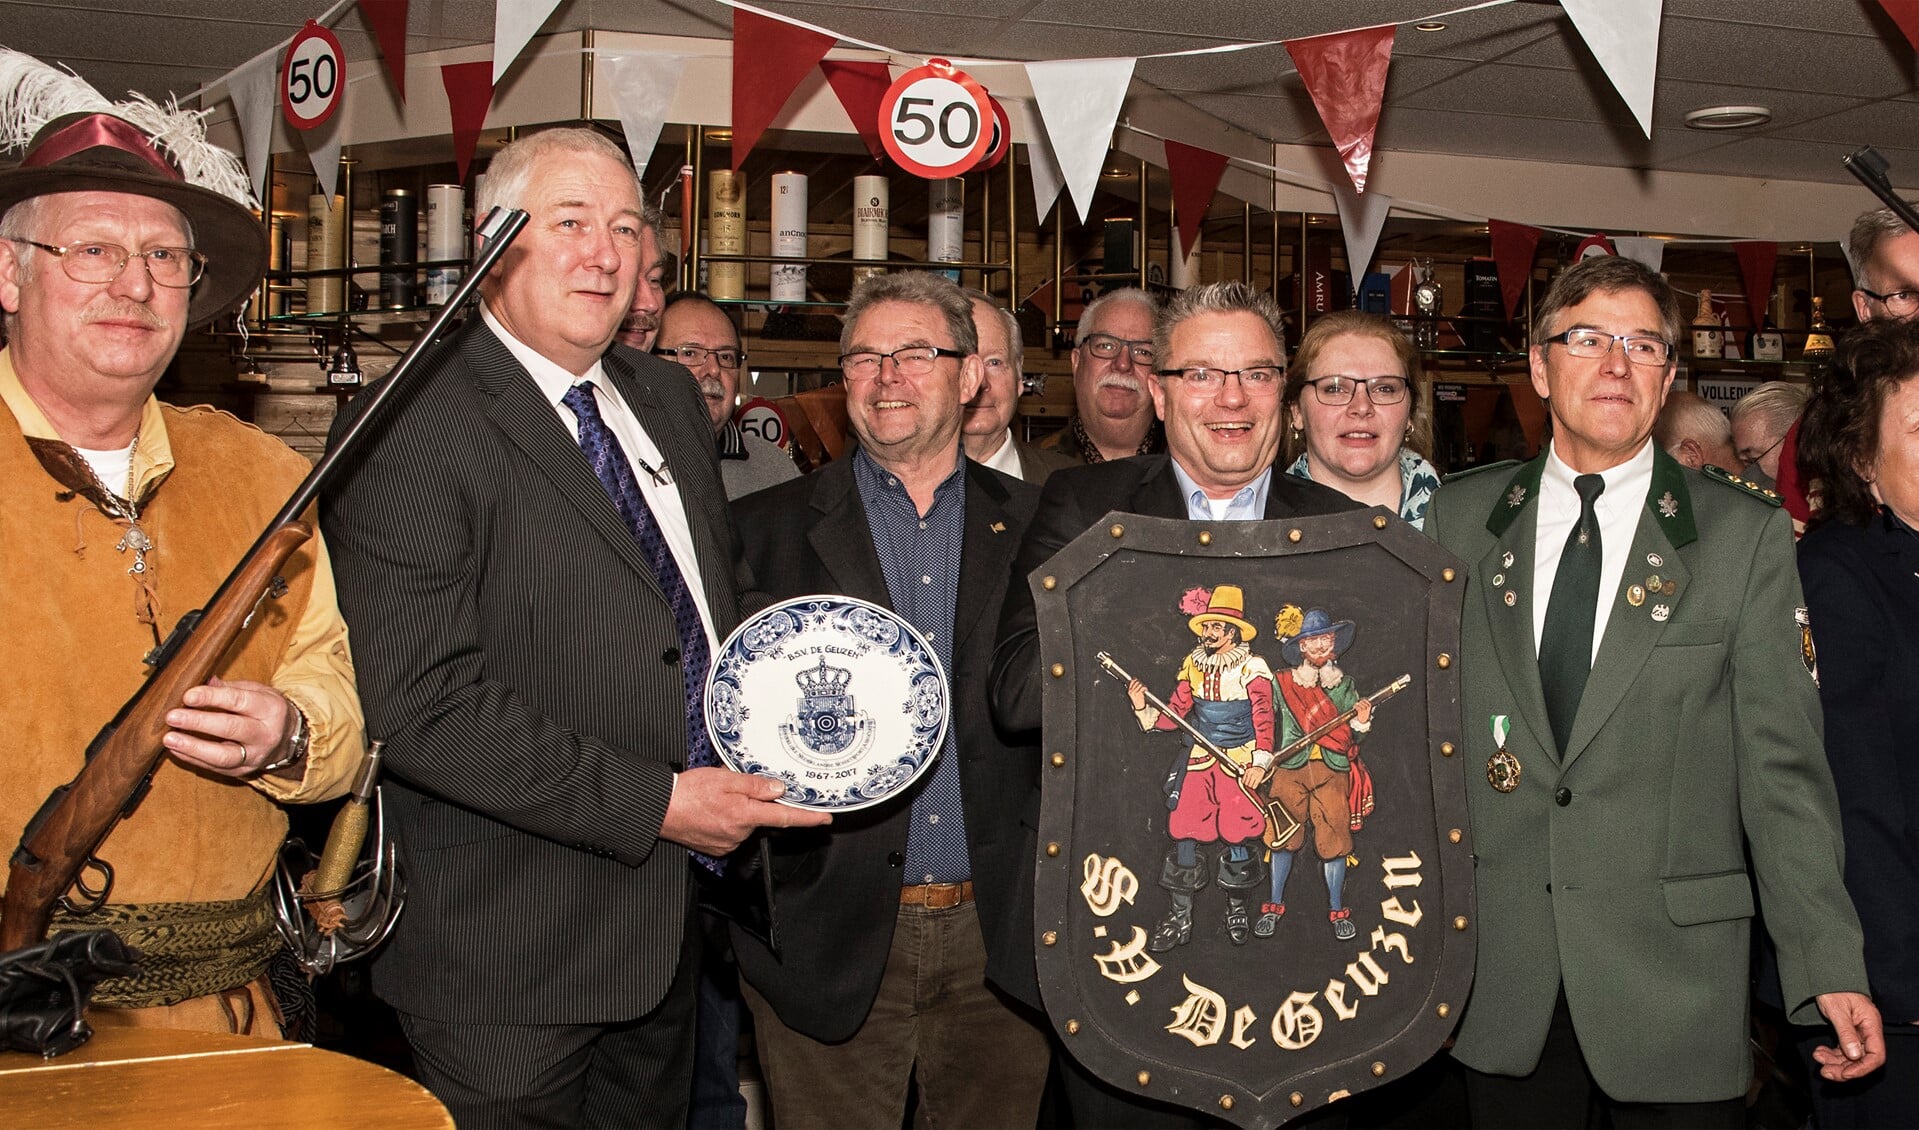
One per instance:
(1620,871)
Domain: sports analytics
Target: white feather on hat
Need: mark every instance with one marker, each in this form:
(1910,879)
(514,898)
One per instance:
(33,93)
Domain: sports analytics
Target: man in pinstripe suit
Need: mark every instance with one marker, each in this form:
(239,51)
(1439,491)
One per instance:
(512,550)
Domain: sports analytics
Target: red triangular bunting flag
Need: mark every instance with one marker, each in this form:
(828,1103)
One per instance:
(1757,258)
(1905,13)
(1513,248)
(469,91)
(770,57)
(860,87)
(1195,174)
(1346,75)
(387,18)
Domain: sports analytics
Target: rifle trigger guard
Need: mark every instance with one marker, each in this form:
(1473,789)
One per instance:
(91,899)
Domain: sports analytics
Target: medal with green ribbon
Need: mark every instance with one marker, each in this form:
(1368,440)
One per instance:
(1502,768)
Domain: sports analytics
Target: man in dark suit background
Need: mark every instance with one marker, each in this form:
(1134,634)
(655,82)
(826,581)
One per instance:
(1222,358)
(893,921)
(536,558)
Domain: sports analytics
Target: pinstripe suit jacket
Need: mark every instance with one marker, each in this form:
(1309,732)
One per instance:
(521,664)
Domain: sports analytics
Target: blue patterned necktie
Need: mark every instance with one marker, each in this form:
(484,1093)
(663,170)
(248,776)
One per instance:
(609,462)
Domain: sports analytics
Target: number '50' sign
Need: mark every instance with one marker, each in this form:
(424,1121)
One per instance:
(312,77)
(936,121)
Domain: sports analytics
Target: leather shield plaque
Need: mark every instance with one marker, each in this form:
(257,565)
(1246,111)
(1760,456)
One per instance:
(1254,888)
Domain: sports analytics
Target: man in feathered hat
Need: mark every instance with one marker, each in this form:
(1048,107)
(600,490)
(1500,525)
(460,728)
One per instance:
(1226,693)
(1311,784)
(121,514)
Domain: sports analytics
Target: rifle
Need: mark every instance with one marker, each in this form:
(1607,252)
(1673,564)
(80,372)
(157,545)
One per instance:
(1273,810)
(1377,697)
(59,842)
(1870,167)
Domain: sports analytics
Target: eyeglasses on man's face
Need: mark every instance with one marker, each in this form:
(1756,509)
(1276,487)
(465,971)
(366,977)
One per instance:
(1106,347)
(910,361)
(693,356)
(1641,349)
(103,262)
(1900,303)
(1336,389)
(1256,380)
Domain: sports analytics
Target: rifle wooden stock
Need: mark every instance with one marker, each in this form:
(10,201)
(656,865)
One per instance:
(78,815)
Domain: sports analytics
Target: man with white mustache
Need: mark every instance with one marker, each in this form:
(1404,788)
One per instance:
(905,942)
(697,333)
(1113,412)
(1222,362)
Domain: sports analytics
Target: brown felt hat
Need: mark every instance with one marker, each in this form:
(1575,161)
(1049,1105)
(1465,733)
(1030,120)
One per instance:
(98,152)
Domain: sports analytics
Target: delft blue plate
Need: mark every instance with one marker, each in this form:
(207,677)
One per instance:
(841,699)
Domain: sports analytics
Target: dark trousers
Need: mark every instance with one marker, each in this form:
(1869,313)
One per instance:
(717,1104)
(1561,1094)
(636,1073)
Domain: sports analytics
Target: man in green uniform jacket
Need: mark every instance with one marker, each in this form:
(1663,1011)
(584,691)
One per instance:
(1634,686)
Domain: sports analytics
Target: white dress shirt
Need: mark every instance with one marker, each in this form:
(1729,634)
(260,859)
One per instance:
(664,498)
(1617,511)
(1006,459)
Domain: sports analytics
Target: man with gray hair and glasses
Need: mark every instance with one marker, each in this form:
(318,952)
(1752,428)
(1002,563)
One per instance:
(1633,686)
(1884,253)
(1221,365)
(905,948)
(1112,365)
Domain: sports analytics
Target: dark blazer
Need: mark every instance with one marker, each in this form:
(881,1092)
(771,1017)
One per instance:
(520,662)
(1862,590)
(1618,872)
(837,887)
(1072,500)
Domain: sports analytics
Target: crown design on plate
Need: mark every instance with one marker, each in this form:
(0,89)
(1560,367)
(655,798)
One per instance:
(823,681)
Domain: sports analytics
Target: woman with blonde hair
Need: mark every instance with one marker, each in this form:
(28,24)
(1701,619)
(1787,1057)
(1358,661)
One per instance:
(1357,420)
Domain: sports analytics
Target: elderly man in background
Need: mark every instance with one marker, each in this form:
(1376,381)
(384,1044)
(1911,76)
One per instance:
(1695,432)
(539,558)
(987,431)
(699,335)
(905,951)
(1112,365)
(641,326)
(1760,420)
(120,515)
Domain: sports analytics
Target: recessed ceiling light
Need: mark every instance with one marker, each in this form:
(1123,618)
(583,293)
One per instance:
(1116,173)
(1429,25)
(719,134)
(1727,117)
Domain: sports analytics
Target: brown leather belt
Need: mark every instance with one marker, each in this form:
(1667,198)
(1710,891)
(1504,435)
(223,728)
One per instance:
(937,896)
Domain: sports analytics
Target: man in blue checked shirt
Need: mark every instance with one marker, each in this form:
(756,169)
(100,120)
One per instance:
(904,951)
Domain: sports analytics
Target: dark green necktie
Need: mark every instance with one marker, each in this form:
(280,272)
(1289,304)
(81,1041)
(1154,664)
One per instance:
(1566,645)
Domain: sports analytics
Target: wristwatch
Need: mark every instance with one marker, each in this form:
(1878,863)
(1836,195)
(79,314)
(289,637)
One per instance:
(296,743)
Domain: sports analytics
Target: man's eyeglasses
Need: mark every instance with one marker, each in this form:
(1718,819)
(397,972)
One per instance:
(103,262)
(1749,456)
(912,361)
(693,356)
(1256,380)
(1900,303)
(1338,390)
(1640,348)
(1106,347)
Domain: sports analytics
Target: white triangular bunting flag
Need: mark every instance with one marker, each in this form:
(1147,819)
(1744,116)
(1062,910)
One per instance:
(1079,100)
(1360,221)
(514,24)
(1045,175)
(1651,252)
(1623,36)
(251,88)
(323,149)
(643,89)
